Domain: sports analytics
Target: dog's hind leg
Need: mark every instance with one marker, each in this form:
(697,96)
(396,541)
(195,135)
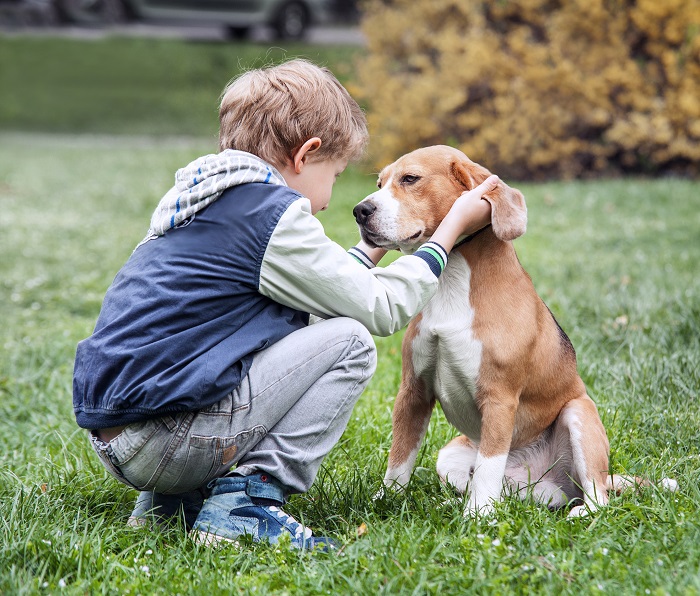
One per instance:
(589,450)
(455,462)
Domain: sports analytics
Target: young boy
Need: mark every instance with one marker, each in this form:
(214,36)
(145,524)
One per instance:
(203,359)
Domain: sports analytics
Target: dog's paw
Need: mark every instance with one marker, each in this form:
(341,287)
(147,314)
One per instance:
(477,509)
(453,503)
(669,484)
(379,495)
(579,511)
(389,486)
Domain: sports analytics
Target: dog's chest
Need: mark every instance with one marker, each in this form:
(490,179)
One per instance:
(446,355)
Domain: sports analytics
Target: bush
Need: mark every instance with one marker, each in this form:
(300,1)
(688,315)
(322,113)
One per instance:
(537,88)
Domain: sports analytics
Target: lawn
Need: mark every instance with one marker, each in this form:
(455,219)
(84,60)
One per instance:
(131,86)
(615,260)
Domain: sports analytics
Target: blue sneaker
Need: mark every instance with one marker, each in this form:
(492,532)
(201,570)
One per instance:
(161,508)
(249,506)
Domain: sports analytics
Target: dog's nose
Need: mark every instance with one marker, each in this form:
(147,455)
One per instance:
(363,211)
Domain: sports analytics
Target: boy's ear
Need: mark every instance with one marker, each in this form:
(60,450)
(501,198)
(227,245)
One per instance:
(300,156)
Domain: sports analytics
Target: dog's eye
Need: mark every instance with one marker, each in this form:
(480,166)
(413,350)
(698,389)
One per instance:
(409,179)
(379,183)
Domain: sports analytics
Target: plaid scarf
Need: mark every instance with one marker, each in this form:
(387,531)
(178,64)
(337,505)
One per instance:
(202,182)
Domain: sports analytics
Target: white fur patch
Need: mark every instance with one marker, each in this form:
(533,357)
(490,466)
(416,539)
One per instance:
(669,484)
(446,355)
(385,220)
(579,461)
(593,495)
(397,477)
(487,482)
(455,464)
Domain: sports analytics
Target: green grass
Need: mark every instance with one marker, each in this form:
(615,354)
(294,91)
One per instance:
(132,86)
(617,262)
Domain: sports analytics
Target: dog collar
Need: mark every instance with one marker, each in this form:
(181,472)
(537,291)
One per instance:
(470,237)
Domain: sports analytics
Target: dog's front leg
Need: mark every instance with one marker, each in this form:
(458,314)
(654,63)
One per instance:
(410,417)
(497,423)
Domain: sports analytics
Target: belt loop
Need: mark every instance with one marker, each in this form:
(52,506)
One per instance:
(169,422)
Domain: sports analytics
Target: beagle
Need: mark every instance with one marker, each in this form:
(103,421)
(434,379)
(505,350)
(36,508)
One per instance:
(489,350)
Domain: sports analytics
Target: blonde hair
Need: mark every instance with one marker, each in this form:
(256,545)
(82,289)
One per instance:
(273,111)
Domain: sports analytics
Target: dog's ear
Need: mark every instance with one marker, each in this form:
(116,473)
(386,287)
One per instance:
(508,210)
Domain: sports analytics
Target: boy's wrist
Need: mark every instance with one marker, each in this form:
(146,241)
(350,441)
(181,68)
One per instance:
(479,217)
(375,254)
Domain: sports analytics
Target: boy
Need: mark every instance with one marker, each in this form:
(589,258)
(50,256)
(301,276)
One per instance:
(203,358)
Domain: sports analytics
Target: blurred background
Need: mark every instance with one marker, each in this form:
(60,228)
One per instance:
(533,89)
(286,19)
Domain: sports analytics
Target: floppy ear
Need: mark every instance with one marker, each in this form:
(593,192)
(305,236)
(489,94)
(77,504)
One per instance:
(508,210)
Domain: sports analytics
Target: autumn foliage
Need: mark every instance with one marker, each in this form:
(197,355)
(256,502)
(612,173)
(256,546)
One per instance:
(537,88)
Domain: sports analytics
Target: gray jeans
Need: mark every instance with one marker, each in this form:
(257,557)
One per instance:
(283,419)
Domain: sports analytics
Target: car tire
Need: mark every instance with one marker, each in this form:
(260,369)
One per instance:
(237,33)
(93,12)
(291,21)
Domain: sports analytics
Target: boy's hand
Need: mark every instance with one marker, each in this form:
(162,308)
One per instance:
(468,215)
(474,211)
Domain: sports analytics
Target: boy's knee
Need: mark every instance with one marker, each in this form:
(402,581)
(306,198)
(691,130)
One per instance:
(365,344)
(361,343)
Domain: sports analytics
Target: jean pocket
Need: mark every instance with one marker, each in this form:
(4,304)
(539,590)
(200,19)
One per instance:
(141,447)
(131,441)
(106,455)
(208,458)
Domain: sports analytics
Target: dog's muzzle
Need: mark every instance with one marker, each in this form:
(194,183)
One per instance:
(363,211)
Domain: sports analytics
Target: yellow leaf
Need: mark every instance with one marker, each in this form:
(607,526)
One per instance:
(361,530)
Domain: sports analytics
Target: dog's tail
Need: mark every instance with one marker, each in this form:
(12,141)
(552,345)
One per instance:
(619,483)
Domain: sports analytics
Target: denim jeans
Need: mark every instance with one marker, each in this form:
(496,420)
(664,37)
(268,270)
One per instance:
(283,419)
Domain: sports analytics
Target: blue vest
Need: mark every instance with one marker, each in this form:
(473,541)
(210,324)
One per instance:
(183,318)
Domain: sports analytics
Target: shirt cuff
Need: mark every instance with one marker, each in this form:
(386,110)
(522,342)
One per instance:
(362,257)
(433,254)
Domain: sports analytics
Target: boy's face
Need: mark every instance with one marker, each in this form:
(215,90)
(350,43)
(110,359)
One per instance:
(315,181)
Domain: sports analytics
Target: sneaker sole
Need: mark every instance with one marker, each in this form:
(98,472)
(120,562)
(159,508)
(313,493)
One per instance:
(207,539)
(203,538)
(136,522)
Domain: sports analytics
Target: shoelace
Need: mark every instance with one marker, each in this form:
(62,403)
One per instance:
(288,520)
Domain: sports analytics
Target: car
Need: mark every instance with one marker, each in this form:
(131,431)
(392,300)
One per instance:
(289,19)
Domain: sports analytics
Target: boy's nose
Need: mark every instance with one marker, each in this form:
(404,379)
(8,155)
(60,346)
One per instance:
(363,211)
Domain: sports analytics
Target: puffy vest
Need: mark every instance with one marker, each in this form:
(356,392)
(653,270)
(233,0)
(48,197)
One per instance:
(183,318)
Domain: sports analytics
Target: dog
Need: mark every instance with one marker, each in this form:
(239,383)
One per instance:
(489,350)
